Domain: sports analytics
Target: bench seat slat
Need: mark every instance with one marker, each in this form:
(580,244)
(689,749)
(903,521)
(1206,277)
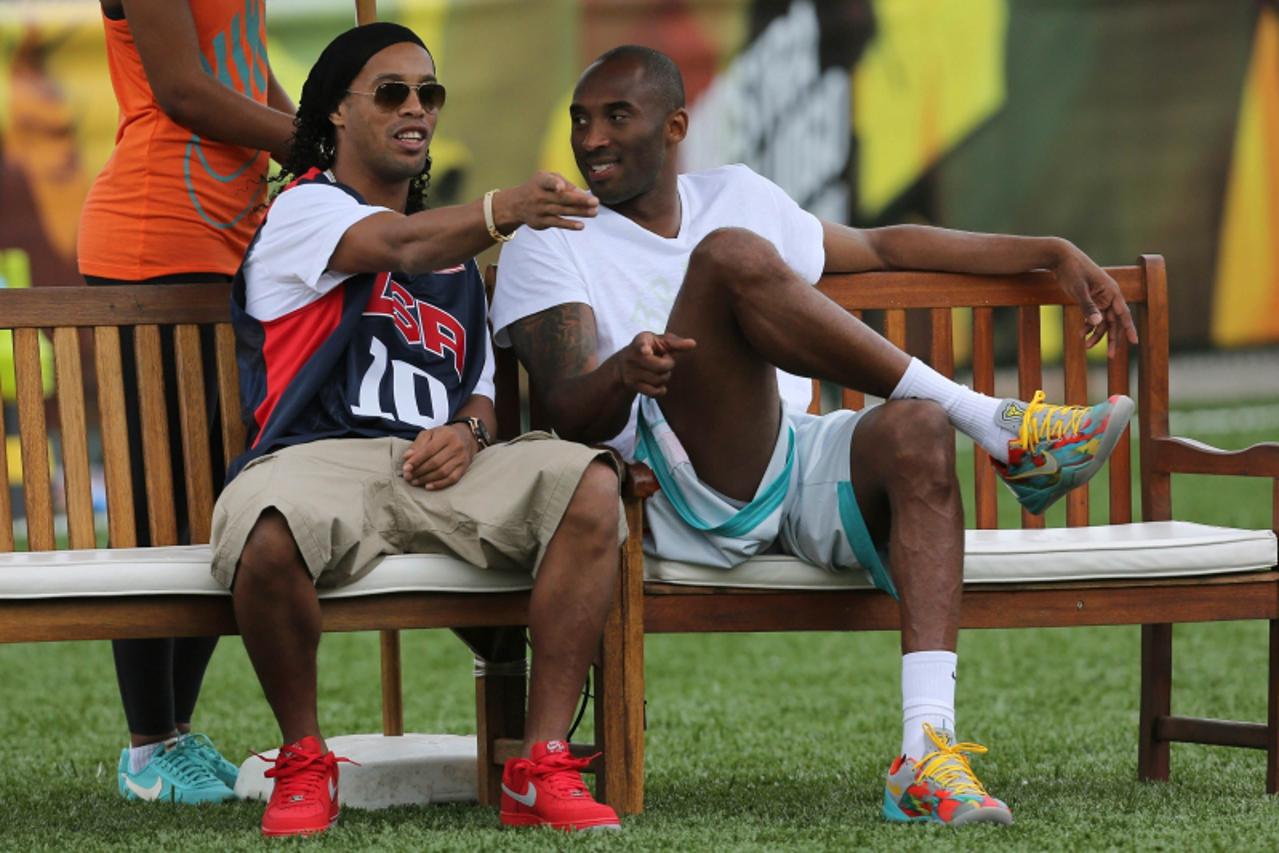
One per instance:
(1157,549)
(184,570)
(1135,552)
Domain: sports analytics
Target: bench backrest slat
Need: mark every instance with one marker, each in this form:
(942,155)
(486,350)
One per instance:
(36,487)
(1152,388)
(1030,374)
(228,392)
(895,327)
(1120,476)
(121,532)
(6,503)
(197,463)
(73,437)
(1075,370)
(986,508)
(155,435)
(941,350)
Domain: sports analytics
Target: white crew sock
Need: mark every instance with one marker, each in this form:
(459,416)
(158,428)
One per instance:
(140,756)
(971,413)
(928,696)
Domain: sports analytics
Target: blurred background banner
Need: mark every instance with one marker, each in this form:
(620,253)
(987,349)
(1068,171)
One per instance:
(1142,126)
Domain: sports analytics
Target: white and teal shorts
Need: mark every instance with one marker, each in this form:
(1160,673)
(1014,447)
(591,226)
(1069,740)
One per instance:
(804,505)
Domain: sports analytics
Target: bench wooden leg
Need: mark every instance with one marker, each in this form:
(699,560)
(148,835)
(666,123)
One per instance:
(632,598)
(501,690)
(1156,700)
(1272,713)
(610,712)
(392,685)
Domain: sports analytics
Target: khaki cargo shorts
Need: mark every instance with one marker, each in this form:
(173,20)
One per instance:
(347,505)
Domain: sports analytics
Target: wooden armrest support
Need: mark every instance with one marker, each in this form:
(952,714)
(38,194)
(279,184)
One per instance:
(1175,455)
(640,482)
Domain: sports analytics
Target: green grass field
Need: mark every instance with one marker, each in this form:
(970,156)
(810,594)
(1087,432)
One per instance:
(754,741)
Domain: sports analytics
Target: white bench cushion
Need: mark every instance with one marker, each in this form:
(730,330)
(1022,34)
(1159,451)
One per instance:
(184,570)
(1152,549)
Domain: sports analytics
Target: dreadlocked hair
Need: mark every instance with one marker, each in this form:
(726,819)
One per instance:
(313,147)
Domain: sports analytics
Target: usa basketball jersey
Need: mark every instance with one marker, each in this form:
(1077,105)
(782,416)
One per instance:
(380,354)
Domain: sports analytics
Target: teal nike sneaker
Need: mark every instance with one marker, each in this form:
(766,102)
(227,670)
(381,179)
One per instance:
(1057,448)
(226,772)
(175,775)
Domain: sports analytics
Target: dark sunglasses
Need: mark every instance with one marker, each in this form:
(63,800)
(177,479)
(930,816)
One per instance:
(393,93)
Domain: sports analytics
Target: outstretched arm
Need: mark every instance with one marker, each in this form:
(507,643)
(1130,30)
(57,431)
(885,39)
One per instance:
(445,236)
(165,34)
(920,247)
(589,400)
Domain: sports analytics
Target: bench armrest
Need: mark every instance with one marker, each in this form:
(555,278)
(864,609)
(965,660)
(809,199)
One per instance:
(1176,455)
(639,483)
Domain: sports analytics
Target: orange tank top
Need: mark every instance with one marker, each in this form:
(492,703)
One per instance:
(169,201)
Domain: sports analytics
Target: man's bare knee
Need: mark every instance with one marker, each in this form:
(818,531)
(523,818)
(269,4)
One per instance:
(734,256)
(270,549)
(923,458)
(592,512)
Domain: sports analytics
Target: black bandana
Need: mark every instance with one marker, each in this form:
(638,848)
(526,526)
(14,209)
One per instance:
(343,59)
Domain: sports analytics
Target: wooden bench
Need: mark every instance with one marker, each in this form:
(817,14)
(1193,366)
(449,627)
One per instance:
(1220,574)
(92,584)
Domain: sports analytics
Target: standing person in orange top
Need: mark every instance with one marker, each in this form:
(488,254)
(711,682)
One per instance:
(178,201)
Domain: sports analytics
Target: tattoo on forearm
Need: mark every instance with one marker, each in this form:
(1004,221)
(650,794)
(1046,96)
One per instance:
(555,344)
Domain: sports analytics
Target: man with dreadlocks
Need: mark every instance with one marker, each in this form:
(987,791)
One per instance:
(366,374)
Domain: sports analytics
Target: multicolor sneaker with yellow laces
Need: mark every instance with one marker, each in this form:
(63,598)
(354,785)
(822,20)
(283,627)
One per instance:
(941,786)
(1057,448)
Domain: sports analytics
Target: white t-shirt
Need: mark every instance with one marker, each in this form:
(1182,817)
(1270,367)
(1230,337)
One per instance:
(630,276)
(288,266)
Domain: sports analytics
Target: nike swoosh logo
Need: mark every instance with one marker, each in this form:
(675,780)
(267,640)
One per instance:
(1051,466)
(150,794)
(526,799)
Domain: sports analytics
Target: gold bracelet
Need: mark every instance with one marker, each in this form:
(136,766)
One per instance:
(488,219)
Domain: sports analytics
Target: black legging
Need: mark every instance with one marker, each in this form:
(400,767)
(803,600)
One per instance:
(160,679)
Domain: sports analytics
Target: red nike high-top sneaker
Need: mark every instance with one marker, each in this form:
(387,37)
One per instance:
(546,789)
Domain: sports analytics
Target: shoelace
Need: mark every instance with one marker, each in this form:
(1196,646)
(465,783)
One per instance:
(298,775)
(948,764)
(562,773)
(1046,422)
(183,761)
(197,741)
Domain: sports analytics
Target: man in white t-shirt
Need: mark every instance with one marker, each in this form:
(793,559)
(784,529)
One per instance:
(663,327)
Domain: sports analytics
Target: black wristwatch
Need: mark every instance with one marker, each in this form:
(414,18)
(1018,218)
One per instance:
(479,432)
